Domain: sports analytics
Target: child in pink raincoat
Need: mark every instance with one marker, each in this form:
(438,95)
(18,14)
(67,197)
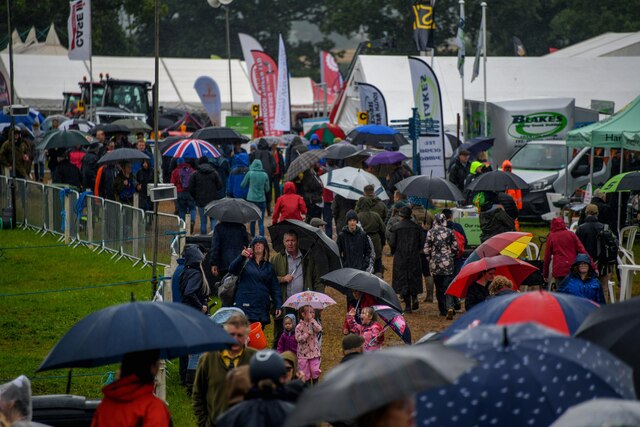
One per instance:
(309,351)
(370,329)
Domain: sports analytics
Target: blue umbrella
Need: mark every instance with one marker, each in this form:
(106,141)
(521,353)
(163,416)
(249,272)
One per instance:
(191,149)
(526,375)
(475,146)
(377,136)
(25,120)
(104,336)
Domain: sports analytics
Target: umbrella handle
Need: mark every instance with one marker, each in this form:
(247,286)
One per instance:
(305,255)
(377,336)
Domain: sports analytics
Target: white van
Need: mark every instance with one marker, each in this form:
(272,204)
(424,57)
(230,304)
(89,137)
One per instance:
(542,164)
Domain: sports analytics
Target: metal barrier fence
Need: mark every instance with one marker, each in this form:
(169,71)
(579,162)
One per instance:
(82,219)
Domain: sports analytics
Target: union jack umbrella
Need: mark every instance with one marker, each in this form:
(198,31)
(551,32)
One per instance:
(191,149)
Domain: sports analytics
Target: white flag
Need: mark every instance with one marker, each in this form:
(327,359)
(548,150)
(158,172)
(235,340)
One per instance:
(79,29)
(248,44)
(283,103)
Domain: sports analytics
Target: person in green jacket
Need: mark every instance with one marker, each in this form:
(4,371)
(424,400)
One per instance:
(258,182)
(373,225)
(209,394)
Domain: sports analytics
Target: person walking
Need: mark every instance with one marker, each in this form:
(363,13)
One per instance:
(591,234)
(441,248)
(405,242)
(339,209)
(204,187)
(371,202)
(309,347)
(582,281)
(240,167)
(257,181)
(374,227)
(264,154)
(180,177)
(229,238)
(125,185)
(356,248)
(289,206)
(563,246)
(144,176)
(460,169)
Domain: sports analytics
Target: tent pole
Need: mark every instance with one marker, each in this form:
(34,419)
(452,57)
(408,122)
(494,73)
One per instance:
(566,173)
(618,193)
(593,151)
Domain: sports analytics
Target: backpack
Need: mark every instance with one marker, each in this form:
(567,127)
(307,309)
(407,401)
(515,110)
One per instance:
(460,239)
(607,246)
(184,174)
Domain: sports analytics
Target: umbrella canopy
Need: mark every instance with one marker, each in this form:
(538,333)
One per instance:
(19,127)
(340,151)
(46,125)
(615,327)
(64,139)
(233,210)
(373,380)
(77,124)
(104,336)
(514,269)
(394,321)
(26,120)
(628,181)
(510,243)
(385,158)
(357,280)
(317,300)
(135,126)
(303,162)
(526,375)
(288,137)
(601,412)
(497,181)
(110,129)
(191,149)
(324,250)
(224,313)
(124,155)
(271,140)
(167,142)
(474,146)
(326,132)
(429,187)
(561,312)
(217,135)
(377,136)
(350,182)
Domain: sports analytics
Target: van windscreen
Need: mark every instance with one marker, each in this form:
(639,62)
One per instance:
(540,156)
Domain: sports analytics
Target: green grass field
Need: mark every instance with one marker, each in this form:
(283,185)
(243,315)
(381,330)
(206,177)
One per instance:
(31,324)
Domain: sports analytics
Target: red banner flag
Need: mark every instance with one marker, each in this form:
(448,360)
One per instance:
(330,75)
(264,80)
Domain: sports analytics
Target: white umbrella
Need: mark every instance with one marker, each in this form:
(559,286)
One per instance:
(350,182)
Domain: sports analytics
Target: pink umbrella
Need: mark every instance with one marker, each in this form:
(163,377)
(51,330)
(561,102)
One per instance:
(317,300)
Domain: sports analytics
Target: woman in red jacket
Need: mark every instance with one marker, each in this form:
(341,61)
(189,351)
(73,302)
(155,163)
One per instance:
(563,245)
(130,400)
(290,205)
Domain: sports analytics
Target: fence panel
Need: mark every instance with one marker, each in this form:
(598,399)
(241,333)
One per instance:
(21,202)
(74,217)
(5,194)
(55,209)
(95,220)
(113,232)
(133,221)
(36,202)
(168,228)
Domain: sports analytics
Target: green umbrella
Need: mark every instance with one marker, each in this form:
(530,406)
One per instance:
(134,125)
(628,181)
(64,139)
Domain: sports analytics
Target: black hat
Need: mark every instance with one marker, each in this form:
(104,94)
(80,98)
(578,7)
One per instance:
(266,365)
(351,214)
(405,212)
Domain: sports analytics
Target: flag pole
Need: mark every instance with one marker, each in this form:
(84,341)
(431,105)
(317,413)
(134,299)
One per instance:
(461,67)
(484,63)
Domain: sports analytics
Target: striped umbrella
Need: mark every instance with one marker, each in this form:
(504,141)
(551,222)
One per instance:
(191,149)
(326,132)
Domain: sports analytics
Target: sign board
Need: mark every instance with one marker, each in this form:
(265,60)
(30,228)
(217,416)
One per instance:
(363,118)
(255,110)
(241,124)
(603,107)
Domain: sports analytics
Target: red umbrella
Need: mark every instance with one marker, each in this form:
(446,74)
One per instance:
(514,269)
(510,243)
(326,132)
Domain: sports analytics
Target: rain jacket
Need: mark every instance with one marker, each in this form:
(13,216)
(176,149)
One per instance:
(458,173)
(374,204)
(23,167)
(89,170)
(260,408)
(564,246)
(356,249)
(257,181)
(476,293)
(405,243)
(290,205)
(128,402)
(589,288)
(67,173)
(205,185)
(307,337)
(287,342)
(236,176)
(588,235)
(228,240)
(495,221)
(264,154)
(311,279)
(124,193)
(372,223)
(339,209)
(372,334)
(440,248)
(193,291)
(175,176)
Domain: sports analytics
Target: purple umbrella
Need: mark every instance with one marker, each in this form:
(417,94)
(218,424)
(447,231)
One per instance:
(385,158)
(394,321)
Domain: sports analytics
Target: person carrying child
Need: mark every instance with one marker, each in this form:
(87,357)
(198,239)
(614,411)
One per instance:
(309,351)
(370,329)
(287,340)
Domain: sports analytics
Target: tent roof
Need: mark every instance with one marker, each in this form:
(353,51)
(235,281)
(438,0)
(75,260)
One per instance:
(301,93)
(620,130)
(607,44)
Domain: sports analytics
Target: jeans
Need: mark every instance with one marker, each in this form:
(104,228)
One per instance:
(203,221)
(185,202)
(445,302)
(262,206)
(38,169)
(328,218)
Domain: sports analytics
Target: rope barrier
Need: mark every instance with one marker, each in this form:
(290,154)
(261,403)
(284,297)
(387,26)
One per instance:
(106,285)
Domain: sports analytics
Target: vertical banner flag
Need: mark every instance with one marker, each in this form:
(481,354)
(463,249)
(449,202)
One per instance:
(460,42)
(372,101)
(479,51)
(423,26)
(518,47)
(264,75)
(79,29)
(249,44)
(330,75)
(283,101)
(209,93)
(428,100)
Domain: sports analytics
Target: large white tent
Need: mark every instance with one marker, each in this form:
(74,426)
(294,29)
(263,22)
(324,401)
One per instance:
(607,44)
(606,78)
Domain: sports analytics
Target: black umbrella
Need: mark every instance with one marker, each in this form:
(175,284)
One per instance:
(340,151)
(233,210)
(64,139)
(134,125)
(474,146)
(371,381)
(124,155)
(358,280)
(110,129)
(104,336)
(324,251)
(216,135)
(429,187)
(377,136)
(497,181)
